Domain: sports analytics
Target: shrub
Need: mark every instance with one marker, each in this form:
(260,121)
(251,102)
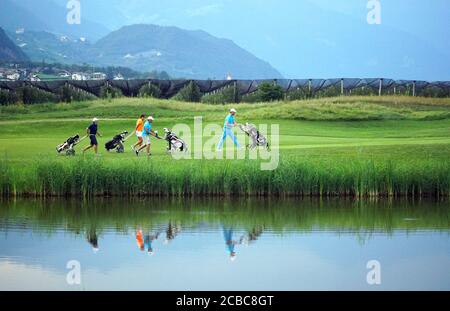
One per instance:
(8,98)
(190,93)
(331,91)
(270,92)
(110,92)
(228,94)
(299,94)
(31,95)
(363,91)
(150,90)
(266,92)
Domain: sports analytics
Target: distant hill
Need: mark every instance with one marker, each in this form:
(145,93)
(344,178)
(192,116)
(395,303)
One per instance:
(9,52)
(182,53)
(51,48)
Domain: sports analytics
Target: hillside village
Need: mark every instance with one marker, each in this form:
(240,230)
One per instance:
(17,72)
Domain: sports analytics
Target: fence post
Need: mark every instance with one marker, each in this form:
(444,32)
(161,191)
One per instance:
(414,88)
(380,88)
(342,87)
(309,87)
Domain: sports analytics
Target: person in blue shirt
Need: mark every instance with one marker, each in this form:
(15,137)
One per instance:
(230,123)
(146,133)
(92,132)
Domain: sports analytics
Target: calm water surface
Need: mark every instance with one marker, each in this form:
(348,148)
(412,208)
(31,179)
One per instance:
(224,245)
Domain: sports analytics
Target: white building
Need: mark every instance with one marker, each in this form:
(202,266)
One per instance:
(64,74)
(80,76)
(98,76)
(34,77)
(118,77)
(13,76)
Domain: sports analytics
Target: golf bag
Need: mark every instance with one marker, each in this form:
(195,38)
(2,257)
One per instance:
(68,145)
(258,139)
(117,143)
(174,143)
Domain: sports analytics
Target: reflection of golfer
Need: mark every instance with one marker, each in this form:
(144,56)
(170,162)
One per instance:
(138,130)
(230,122)
(92,132)
(228,236)
(140,240)
(148,242)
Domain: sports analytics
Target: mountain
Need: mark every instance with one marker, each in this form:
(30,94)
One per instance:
(46,15)
(145,48)
(182,53)
(52,48)
(9,52)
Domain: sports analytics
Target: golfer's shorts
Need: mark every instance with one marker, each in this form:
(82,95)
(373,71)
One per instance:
(93,139)
(138,134)
(146,140)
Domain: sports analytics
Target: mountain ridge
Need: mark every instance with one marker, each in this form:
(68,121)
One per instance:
(10,51)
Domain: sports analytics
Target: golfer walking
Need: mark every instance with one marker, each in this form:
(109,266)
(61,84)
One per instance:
(92,132)
(229,124)
(146,133)
(138,130)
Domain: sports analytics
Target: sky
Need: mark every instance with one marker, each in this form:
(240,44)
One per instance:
(308,38)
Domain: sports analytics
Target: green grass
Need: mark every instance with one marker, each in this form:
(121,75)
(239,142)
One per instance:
(357,146)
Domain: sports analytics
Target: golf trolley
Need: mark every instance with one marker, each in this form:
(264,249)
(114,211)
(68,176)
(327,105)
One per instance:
(117,143)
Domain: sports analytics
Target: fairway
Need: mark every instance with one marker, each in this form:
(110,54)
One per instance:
(322,136)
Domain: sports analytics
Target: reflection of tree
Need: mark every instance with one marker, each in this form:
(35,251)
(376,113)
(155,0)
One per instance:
(172,231)
(255,233)
(92,237)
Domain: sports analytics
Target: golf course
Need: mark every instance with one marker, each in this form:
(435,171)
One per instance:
(388,146)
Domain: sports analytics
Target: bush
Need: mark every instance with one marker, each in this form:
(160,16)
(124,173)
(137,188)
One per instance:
(190,93)
(270,92)
(110,92)
(31,95)
(69,93)
(228,94)
(433,91)
(331,91)
(150,90)
(8,98)
(299,94)
(363,91)
(266,92)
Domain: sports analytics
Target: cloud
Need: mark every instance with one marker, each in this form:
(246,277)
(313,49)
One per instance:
(204,10)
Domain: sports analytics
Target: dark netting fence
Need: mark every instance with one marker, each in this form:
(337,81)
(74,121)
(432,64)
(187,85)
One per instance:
(304,87)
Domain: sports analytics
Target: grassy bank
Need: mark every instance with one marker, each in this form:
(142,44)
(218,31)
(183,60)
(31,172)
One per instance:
(358,147)
(294,177)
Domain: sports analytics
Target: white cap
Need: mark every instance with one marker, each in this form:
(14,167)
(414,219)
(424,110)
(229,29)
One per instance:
(94,120)
(233,110)
(150,118)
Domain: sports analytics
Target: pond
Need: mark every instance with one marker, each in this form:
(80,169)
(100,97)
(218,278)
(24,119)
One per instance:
(224,244)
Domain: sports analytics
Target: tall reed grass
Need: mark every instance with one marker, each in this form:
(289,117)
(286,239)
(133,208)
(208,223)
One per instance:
(294,177)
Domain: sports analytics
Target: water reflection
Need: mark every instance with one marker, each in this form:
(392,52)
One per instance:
(224,244)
